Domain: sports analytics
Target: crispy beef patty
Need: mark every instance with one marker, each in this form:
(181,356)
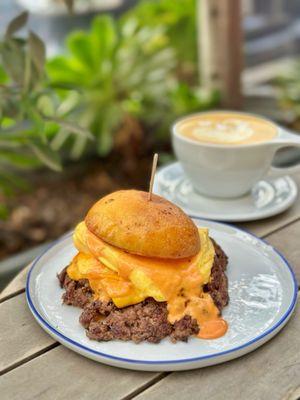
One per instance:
(145,321)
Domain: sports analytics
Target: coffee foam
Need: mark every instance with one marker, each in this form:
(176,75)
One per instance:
(230,131)
(227,129)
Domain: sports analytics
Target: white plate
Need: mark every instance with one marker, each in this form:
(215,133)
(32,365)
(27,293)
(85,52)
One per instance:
(262,289)
(269,197)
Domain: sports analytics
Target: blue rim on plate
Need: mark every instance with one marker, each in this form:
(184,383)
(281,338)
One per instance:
(133,361)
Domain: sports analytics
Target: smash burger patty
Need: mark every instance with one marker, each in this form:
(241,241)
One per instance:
(145,321)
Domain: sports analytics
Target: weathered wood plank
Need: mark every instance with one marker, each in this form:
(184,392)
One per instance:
(270,373)
(62,374)
(286,240)
(17,284)
(22,340)
(21,337)
(266,226)
(12,265)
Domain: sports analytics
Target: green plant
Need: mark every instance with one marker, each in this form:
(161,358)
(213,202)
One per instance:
(111,72)
(288,86)
(141,67)
(29,108)
(179,20)
(124,68)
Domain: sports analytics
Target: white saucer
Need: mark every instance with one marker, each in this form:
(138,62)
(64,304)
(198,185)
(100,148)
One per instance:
(269,197)
(262,290)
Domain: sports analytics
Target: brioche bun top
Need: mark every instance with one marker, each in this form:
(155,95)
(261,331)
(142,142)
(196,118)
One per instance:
(156,228)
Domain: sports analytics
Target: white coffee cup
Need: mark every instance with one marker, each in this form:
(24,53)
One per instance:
(229,170)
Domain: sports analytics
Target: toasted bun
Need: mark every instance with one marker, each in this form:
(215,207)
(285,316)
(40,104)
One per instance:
(156,228)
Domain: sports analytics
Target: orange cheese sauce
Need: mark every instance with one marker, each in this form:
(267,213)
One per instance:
(114,274)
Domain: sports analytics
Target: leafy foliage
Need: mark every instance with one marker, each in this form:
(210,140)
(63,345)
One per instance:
(112,71)
(130,67)
(179,20)
(288,86)
(140,67)
(28,108)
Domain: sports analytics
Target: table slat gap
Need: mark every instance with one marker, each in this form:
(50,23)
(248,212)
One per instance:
(18,283)
(265,236)
(29,358)
(11,295)
(210,381)
(21,336)
(45,377)
(146,386)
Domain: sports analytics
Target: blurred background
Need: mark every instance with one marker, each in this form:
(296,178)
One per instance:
(89,88)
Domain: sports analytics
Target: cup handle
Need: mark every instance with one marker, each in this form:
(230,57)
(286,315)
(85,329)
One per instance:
(288,139)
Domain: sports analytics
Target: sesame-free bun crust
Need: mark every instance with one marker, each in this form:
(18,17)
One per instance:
(155,228)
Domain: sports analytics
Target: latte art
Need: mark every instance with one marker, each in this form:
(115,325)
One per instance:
(228,131)
(227,128)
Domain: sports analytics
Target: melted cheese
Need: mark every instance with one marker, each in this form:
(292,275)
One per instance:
(129,279)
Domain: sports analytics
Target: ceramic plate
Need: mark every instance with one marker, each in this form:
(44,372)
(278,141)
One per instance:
(262,290)
(269,197)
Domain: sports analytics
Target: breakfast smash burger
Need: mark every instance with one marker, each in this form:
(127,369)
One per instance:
(144,271)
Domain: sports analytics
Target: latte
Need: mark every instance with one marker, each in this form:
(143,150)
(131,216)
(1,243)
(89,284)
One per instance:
(227,128)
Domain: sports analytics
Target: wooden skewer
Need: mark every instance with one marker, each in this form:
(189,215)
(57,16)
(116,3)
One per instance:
(154,165)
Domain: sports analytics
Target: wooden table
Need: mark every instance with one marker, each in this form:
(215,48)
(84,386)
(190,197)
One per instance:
(34,366)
